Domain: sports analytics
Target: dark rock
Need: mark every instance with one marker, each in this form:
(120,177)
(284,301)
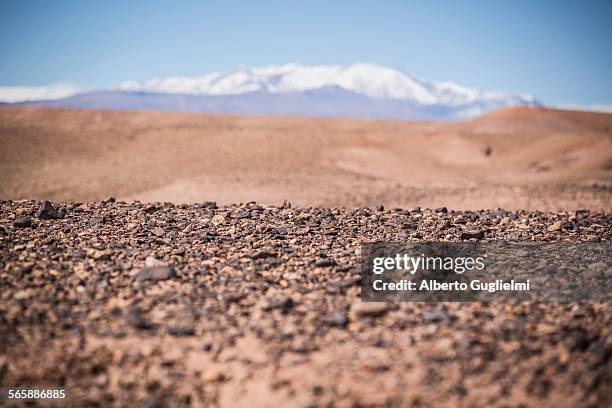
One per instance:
(150,209)
(473,234)
(180,331)
(135,318)
(284,303)
(46,211)
(234,297)
(601,355)
(579,341)
(22,223)
(324,263)
(155,273)
(262,255)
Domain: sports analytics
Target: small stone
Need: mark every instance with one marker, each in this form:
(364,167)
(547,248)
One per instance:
(158,231)
(284,303)
(374,358)
(302,345)
(302,231)
(22,223)
(234,297)
(473,234)
(152,261)
(262,255)
(368,309)
(337,319)
(324,263)
(578,341)
(213,376)
(22,295)
(109,199)
(286,205)
(557,226)
(434,315)
(150,209)
(155,273)
(46,211)
(179,252)
(218,219)
(135,318)
(98,255)
(181,331)
(97,221)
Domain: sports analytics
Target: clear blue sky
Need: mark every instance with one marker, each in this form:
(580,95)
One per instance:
(559,51)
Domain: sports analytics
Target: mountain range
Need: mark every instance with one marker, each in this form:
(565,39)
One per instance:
(358,90)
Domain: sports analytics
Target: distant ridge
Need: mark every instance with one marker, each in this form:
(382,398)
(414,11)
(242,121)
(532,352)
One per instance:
(358,91)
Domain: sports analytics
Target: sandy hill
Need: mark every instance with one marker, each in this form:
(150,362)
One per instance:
(513,158)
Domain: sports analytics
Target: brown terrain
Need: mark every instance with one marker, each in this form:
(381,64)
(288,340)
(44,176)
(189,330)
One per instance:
(519,158)
(164,298)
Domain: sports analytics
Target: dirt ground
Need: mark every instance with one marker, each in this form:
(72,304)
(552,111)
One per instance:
(249,306)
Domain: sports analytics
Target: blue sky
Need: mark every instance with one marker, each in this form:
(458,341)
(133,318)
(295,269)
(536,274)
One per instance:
(559,51)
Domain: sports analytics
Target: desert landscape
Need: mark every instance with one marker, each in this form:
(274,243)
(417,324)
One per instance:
(515,158)
(179,259)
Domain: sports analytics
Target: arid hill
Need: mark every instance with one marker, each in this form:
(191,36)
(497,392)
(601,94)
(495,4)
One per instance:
(518,158)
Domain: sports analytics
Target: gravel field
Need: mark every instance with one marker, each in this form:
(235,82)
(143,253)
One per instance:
(246,305)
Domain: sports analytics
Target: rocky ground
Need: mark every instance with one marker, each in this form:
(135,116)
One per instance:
(246,305)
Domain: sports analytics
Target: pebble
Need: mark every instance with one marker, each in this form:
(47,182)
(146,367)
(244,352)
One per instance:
(158,231)
(284,303)
(218,219)
(181,331)
(368,309)
(155,273)
(434,315)
(211,376)
(472,234)
(46,211)
(338,319)
(23,222)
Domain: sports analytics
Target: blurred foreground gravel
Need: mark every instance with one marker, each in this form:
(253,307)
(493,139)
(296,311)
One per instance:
(197,305)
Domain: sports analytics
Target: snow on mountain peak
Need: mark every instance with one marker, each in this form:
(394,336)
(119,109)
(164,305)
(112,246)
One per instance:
(373,81)
(359,90)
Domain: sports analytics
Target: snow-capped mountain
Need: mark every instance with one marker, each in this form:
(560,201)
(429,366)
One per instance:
(358,90)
